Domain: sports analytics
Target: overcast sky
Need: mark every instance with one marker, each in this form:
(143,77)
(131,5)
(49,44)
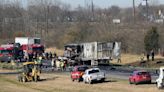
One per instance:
(107,3)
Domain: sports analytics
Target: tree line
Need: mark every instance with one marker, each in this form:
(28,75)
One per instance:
(57,24)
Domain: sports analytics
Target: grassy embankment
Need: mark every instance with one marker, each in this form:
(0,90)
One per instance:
(63,83)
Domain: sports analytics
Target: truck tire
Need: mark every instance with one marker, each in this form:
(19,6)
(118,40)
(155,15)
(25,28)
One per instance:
(79,80)
(84,81)
(90,82)
(130,81)
(72,79)
(149,82)
(158,86)
(103,79)
(136,83)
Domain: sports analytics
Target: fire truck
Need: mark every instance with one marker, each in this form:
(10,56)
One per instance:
(10,52)
(32,48)
(30,44)
(6,53)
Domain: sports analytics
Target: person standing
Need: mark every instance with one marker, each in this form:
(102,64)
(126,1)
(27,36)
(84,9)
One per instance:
(30,56)
(62,65)
(142,57)
(148,56)
(50,56)
(54,55)
(39,61)
(53,64)
(26,57)
(57,64)
(46,54)
(152,54)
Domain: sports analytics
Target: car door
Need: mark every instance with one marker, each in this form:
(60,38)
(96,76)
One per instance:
(73,73)
(84,75)
(132,77)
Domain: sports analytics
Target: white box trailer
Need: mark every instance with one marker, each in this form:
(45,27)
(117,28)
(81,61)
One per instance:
(27,40)
(94,52)
(100,52)
(89,51)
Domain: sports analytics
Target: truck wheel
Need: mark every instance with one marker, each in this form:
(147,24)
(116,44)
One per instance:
(158,86)
(130,82)
(84,81)
(149,82)
(79,80)
(103,79)
(90,82)
(72,79)
(136,83)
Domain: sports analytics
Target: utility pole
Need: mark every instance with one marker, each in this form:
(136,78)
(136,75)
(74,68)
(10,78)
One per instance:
(47,19)
(147,10)
(134,11)
(92,7)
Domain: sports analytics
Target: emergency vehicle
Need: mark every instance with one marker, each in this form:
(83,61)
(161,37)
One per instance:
(6,53)
(30,44)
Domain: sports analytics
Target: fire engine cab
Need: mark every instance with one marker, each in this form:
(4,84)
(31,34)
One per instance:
(31,48)
(30,44)
(6,53)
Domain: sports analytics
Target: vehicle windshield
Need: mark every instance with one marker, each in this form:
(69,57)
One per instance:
(37,48)
(5,51)
(82,69)
(93,71)
(142,73)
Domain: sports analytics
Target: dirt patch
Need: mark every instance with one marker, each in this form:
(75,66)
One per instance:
(6,71)
(62,83)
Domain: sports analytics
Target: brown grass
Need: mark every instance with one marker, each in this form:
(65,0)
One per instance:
(5,70)
(59,52)
(125,58)
(62,83)
(131,58)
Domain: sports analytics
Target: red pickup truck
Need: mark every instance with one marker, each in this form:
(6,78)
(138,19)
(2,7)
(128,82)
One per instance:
(78,72)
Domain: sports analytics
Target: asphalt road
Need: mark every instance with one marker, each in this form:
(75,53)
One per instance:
(114,72)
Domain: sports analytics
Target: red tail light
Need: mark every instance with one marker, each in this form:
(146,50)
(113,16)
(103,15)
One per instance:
(1,55)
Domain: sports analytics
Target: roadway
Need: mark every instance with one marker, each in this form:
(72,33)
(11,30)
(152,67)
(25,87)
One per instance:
(111,71)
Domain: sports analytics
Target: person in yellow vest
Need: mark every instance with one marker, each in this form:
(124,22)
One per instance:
(57,64)
(39,62)
(62,65)
(53,64)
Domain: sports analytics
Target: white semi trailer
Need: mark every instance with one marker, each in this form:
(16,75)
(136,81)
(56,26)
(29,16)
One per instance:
(100,52)
(94,52)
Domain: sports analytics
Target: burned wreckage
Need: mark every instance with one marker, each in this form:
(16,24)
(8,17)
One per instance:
(93,53)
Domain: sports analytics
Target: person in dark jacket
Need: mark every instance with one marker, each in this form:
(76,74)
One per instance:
(152,54)
(148,56)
